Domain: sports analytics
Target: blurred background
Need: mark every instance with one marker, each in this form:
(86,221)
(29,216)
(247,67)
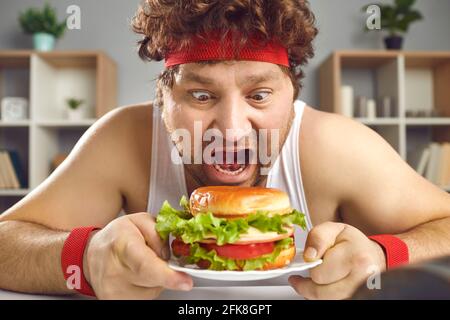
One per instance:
(52,90)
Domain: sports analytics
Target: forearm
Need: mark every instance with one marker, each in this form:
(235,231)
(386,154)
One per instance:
(30,258)
(428,241)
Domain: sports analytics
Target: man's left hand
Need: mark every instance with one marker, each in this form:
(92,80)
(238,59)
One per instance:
(349,258)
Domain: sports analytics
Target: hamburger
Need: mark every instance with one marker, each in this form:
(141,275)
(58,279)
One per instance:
(232,228)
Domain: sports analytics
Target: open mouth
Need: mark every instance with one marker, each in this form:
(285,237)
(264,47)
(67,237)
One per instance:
(230,166)
(232,163)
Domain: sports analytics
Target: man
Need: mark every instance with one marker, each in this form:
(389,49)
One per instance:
(354,182)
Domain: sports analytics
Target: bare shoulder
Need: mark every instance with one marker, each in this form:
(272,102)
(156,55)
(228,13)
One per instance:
(334,155)
(135,117)
(129,128)
(121,133)
(363,175)
(331,141)
(346,150)
(335,134)
(125,130)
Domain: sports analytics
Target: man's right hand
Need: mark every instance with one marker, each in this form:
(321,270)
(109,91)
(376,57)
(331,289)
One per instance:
(126,260)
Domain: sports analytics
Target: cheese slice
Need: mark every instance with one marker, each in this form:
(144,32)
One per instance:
(254,235)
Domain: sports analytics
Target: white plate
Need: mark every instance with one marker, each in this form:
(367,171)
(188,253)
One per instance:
(297,265)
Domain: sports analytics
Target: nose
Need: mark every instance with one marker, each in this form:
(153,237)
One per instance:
(232,119)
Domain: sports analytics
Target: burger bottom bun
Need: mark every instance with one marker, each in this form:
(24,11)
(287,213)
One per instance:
(285,257)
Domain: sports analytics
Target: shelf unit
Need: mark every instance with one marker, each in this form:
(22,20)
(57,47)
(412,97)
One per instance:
(47,79)
(415,80)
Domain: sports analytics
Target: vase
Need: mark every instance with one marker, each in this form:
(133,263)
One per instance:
(393,42)
(75,114)
(43,41)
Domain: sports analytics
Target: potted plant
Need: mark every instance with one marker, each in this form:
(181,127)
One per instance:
(75,111)
(43,25)
(396,20)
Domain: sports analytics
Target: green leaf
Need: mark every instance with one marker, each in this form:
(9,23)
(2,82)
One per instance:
(404,5)
(408,19)
(295,218)
(216,263)
(265,223)
(169,220)
(34,20)
(198,253)
(74,103)
(184,203)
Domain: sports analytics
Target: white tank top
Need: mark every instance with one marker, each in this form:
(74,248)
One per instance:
(167,180)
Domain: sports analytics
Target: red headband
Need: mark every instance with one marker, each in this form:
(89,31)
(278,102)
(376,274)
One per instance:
(214,48)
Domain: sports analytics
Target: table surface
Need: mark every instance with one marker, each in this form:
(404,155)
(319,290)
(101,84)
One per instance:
(197,293)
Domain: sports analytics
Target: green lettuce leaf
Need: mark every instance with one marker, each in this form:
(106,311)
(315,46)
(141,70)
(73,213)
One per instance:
(216,263)
(171,221)
(265,223)
(180,223)
(295,218)
(220,263)
(184,203)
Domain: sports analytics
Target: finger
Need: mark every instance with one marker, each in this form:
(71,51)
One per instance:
(148,270)
(320,239)
(146,225)
(309,290)
(335,266)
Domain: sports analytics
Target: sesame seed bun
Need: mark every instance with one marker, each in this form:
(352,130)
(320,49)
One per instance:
(229,201)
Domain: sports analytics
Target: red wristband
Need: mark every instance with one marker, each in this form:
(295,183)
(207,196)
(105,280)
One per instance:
(395,250)
(72,258)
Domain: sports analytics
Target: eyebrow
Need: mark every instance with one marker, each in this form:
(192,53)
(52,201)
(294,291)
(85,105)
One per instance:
(251,79)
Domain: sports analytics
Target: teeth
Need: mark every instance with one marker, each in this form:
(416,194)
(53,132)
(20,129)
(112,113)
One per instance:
(231,173)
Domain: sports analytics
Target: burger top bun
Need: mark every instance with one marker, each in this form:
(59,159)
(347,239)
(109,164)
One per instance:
(239,201)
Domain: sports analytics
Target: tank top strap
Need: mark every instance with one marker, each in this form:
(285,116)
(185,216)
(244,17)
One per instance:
(167,181)
(285,173)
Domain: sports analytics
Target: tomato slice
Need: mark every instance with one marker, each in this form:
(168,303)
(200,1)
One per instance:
(203,264)
(232,251)
(180,249)
(241,251)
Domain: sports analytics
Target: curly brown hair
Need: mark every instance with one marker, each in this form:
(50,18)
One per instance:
(164,23)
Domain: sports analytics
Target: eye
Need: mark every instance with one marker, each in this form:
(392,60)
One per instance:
(260,96)
(201,96)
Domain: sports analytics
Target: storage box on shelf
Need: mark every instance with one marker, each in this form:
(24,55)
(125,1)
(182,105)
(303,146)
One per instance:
(417,85)
(47,80)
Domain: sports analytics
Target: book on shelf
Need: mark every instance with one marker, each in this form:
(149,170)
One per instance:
(4,177)
(11,174)
(444,176)
(424,159)
(434,164)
